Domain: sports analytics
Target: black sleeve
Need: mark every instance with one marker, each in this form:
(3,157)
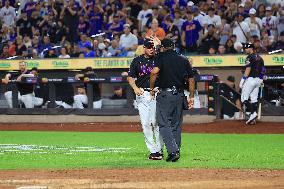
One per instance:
(158,60)
(189,69)
(249,61)
(133,72)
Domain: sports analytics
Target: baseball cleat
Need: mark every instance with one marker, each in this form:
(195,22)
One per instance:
(155,156)
(251,118)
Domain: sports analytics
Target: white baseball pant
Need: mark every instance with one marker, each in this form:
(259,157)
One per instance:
(80,99)
(147,112)
(250,89)
(27,99)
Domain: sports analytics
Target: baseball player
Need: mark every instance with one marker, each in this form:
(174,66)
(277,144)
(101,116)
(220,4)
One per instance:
(139,80)
(81,99)
(26,90)
(251,81)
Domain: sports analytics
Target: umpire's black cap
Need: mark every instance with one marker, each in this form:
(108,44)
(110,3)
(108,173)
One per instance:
(148,43)
(167,42)
(248,45)
(34,69)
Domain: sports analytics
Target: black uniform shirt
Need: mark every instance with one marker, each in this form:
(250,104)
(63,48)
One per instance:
(96,87)
(256,63)
(174,69)
(227,108)
(23,88)
(140,69)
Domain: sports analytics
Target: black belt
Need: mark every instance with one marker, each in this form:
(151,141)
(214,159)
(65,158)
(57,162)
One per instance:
(147,89)
(170,89)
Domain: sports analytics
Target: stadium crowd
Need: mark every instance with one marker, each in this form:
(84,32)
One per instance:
(116,28)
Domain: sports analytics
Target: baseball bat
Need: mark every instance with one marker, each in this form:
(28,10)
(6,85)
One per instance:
(227,100)
(260,102)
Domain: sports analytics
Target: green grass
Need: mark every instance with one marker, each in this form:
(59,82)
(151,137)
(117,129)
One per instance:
(198,150)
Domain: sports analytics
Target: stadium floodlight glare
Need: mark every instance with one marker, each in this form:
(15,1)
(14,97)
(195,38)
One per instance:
(99,34)
(275,51)
(11,57)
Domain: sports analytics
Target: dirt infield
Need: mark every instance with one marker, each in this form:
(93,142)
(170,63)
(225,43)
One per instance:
(214,127)
(145,178)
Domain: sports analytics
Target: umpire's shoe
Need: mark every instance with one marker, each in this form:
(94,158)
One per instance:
(173,157)
(252,118)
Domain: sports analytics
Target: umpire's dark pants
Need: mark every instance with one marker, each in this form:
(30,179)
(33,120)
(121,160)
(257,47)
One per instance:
(169,118)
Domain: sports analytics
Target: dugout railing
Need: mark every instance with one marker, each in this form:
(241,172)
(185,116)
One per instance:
(208,90)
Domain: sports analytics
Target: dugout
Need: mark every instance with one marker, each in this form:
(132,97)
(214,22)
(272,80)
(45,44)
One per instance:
(112,68)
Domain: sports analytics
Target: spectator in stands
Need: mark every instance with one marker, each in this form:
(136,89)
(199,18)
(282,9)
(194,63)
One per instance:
(24,25)
(224,32)
(241,28)
(45,43)
(143,16)
(63,21)
(115,27)
(135,8)
(269,23)
(37,22)
(76,51)
(156,31)
(173,32)
(88,52)
(254,23)
(128,41)
(116,50)
(267,41)
(83,26)
(29,7)
(241,10)
(178,21)
(230,12)
(5,52)
(64,53)
(209,39)
(258,47)
(221,49)
(50,53)
(96,20)
(280,43)
(155,15)
(190,33)
(198,16)
(238,47)
(27,41)
(69,14)
(21,49)
(84,41)
(211,50)
(212,18)
(35,43)
(5,34)
(261,9)
(8,14)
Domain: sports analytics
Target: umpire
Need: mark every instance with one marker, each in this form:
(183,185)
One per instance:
(172,69)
